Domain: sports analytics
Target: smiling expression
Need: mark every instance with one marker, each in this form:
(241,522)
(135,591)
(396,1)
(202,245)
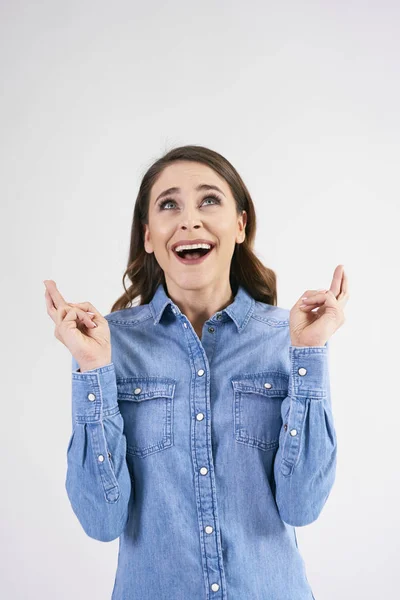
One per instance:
(188,202)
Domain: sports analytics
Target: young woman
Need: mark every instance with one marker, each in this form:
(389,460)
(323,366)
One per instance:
(202,427)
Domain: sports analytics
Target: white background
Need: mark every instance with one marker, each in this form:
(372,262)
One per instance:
(303,98)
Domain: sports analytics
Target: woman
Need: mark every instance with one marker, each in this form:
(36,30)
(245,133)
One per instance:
(202,420)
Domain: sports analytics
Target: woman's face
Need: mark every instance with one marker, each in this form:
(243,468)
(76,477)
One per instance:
(190,213)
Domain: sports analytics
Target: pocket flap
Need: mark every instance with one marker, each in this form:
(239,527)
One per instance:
(145,388)
(267,383)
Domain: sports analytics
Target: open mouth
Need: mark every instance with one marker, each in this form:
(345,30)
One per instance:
(193,257)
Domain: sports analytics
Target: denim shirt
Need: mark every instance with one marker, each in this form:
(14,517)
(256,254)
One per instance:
(203,455)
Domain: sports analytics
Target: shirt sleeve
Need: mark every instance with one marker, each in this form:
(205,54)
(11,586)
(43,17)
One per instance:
(98,482)
(305,462)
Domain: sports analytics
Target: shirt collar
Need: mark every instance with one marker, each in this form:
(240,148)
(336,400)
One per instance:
(240,310)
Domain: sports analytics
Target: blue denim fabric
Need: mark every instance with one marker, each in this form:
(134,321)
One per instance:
(203,456)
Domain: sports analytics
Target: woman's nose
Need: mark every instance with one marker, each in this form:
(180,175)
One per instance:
(190,218)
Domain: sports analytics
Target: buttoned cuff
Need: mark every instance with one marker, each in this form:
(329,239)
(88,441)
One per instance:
(94,394)
(309,376)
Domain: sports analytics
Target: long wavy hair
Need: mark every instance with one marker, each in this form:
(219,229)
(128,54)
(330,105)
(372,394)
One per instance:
(143,271)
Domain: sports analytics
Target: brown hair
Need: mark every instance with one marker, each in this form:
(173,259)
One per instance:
(143,270)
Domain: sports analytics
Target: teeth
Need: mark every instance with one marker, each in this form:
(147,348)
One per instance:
(192,247)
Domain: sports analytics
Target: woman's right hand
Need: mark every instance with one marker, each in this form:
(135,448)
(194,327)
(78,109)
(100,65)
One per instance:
(80,327)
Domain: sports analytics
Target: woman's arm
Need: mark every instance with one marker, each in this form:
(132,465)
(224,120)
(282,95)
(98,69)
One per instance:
(305,462)
(98,482)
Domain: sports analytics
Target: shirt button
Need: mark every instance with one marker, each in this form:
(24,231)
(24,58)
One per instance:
(185,325)
(100,458)
(293,432)
(219,316)
(200,372)
(204,470)
(199,416)
(211,329)
(91,397)
(302,371)
(285,427)
(137,390)
(215,587)
(208,529)
(267,385)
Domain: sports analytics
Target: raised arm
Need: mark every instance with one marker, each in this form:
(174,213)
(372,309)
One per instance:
(305,462)
(98,482)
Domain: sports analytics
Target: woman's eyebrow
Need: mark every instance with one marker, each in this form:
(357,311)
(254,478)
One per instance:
(199,188)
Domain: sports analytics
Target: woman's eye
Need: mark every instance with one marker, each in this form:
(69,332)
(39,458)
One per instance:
(162,204)
(215,198)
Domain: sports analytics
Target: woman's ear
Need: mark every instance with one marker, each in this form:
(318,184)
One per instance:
(242,227)
(148,246)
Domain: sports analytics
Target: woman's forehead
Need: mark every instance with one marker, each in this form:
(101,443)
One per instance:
(188,176)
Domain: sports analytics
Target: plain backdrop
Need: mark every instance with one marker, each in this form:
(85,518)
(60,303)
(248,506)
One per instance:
(303,98)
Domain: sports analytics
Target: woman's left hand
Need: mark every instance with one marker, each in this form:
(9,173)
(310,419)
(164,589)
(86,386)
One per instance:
(308,328)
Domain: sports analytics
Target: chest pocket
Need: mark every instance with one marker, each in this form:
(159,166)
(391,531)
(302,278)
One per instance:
(257,400)
(146,405)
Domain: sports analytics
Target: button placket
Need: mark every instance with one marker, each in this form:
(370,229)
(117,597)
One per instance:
(207,511)
(293,442)
(301,371)
(108,477)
